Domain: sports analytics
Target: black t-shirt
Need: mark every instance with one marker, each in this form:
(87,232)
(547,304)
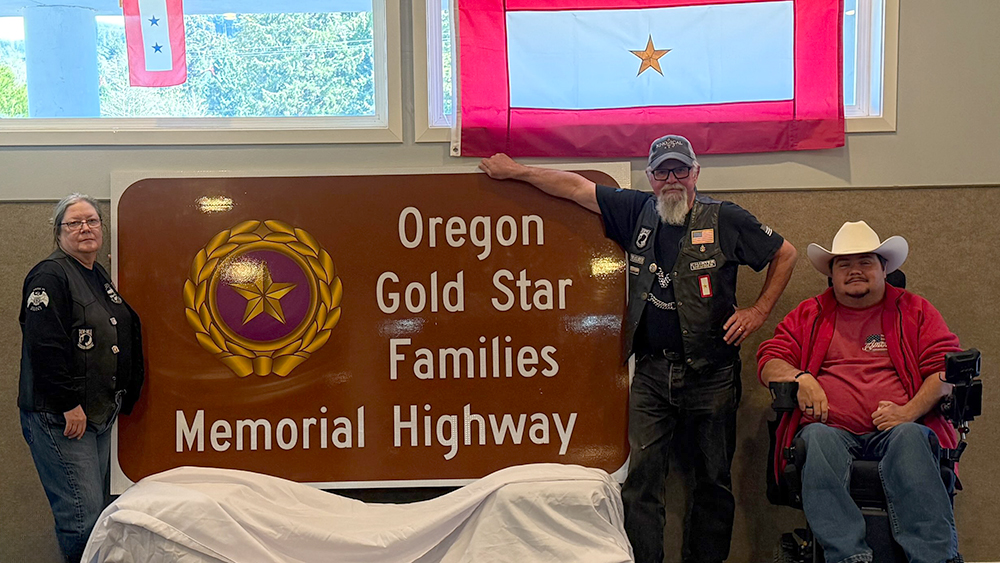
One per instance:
(742,239)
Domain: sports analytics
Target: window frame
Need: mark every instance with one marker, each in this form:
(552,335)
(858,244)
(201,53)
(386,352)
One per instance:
(386,126)
(426,71)
(862,122)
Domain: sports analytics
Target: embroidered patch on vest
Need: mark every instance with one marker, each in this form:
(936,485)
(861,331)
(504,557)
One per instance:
(703,265)
(643,238)
(705,285)
(704,236)
(38,299)
(112,294)
(634,270)
(85,340)
(638,259)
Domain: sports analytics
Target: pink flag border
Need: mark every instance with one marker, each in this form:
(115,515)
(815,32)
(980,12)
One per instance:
(814,119)
(137,73)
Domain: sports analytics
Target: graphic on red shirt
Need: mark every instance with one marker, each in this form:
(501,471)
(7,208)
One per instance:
(875,343)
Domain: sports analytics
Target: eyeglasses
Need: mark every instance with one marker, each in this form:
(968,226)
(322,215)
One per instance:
(78,225)
(662,175)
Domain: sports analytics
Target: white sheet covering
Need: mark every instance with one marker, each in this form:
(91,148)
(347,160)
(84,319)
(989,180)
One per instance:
(523,514)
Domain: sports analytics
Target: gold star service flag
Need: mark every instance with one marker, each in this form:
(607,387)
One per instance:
(596,78)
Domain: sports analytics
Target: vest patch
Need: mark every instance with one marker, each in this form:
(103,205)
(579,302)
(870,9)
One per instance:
(703,265)
(38,299)
(704,236)
(634,270)
(115,298)
(643,238)
(638,259)
(705,285)
(85,340)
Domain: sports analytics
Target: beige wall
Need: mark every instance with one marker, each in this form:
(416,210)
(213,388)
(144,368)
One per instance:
(948,131)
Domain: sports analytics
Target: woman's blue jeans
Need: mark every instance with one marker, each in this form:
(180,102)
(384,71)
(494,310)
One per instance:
(920,511)
(74,474)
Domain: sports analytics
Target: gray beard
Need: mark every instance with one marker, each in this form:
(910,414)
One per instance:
(673,209)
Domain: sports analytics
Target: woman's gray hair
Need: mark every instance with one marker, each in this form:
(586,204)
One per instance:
(60,211)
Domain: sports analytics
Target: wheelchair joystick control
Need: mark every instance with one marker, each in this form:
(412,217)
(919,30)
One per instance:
(966,400)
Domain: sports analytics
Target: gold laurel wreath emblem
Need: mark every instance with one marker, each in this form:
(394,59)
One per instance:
(259,359)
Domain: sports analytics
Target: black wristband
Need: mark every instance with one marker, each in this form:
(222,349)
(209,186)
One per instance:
(800,374)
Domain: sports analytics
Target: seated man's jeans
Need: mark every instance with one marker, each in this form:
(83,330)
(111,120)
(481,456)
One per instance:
(666,395)
(920,512)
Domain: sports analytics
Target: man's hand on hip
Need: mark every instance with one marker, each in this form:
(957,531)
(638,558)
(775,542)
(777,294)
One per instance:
(743,323)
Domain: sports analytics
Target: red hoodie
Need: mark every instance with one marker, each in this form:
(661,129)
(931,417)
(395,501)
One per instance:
(916,335)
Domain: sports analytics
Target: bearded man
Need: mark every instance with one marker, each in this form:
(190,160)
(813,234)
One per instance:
(684,250)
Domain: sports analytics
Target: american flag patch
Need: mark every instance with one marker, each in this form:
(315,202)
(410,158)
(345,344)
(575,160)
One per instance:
(875,343)
(704,236)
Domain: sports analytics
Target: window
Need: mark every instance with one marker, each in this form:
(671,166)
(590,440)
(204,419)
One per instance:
(297,76)
(870,28)
(870,33)
(433,69)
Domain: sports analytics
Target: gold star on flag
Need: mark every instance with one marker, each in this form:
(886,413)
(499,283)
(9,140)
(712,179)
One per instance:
(650,57)
(263,296)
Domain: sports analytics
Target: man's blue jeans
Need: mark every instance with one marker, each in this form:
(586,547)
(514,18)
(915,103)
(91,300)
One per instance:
(664,396)
(920,512)
(74,474)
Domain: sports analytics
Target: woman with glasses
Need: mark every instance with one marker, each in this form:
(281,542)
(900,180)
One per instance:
(81,364)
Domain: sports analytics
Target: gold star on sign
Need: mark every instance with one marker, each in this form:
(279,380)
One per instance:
(263,296)
(650,57)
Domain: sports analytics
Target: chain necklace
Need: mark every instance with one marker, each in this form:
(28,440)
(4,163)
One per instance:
(664,281)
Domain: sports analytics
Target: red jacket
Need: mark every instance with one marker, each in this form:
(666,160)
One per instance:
(916,335)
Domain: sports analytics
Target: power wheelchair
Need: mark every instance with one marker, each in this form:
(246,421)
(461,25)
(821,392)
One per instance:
(784,487)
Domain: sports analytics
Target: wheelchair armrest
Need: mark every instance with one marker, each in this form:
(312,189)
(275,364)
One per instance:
(784,396)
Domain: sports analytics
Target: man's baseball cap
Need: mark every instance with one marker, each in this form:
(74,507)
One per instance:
(670,147)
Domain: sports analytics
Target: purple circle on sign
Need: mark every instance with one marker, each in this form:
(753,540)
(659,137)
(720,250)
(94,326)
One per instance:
(250,272)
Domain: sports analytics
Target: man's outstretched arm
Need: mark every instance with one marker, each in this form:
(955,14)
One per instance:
(558,183)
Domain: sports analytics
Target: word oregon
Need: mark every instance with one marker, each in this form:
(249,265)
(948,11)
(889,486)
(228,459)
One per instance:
(253,434)
(480,231)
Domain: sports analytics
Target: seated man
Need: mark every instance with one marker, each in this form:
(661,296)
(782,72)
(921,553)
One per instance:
(869,361)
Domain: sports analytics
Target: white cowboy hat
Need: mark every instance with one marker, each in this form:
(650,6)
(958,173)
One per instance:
(859,238)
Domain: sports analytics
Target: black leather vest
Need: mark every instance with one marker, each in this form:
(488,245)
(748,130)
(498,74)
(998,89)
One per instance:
(95,341)
(704,284)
